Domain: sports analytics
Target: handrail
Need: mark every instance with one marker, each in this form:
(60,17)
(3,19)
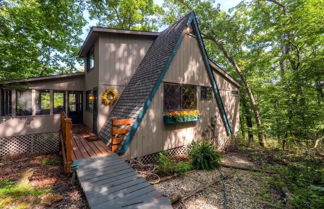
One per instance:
(120,128)
(66,142)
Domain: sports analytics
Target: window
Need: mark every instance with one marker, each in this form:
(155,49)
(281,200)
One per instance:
(43,99)
(24,103)
(90,60)
(5,102)
(59,102)
(89,100)
(178,97)
(189,98)
(206,93)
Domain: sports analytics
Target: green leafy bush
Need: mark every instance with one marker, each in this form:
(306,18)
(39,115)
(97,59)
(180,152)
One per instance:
(169,166)
(182,167)
(204,156)
(304,183)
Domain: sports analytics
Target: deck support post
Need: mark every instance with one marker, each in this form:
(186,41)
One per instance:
(68,144)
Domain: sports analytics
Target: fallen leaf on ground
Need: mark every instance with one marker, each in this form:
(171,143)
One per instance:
(49,199)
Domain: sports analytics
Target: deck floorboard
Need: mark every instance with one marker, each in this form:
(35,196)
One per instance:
(83,148)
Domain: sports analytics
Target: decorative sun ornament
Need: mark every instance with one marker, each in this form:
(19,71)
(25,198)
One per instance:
(109,96)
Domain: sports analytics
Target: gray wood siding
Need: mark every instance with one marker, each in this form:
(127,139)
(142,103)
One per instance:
(119,59)
(187,67)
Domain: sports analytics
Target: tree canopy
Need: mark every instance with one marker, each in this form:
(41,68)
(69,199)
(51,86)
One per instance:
(39,37)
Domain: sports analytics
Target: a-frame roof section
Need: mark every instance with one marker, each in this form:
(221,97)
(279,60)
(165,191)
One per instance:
(138,94)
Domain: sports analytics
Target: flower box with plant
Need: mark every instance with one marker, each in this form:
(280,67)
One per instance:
(181,116)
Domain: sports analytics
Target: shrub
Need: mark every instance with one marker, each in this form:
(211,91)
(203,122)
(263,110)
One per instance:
(204,156)
(169,166)
(182,167)
(166,165)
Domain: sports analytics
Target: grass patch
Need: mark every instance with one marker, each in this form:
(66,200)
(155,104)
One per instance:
(24,195)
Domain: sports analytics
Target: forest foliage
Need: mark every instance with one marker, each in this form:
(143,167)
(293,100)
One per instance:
(274,48)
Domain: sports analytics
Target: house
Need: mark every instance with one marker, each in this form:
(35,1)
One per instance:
(165,82)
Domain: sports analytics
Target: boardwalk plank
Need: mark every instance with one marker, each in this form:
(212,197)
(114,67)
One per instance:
(109,182)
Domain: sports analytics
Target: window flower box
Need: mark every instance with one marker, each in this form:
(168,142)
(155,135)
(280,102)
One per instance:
(181,116)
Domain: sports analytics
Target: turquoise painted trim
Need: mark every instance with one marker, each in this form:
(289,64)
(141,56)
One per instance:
(192,19)
(169,120)
(219,100)
(125,144)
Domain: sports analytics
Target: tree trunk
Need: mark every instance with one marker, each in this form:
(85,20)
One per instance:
(248,119)
(255,109)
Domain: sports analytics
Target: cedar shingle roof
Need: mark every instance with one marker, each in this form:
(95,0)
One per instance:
(147,74)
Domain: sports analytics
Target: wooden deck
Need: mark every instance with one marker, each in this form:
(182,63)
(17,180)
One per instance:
(109,182)
(83,148)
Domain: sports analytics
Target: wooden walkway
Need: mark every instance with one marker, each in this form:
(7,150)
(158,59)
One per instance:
(109,182)
(83,148)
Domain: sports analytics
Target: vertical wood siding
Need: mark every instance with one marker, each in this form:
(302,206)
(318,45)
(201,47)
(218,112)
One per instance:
(119,58)
(187,68)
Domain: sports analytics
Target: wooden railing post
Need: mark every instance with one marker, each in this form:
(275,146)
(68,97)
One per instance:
(68,143)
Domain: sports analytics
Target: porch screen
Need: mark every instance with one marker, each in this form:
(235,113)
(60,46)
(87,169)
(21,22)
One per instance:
(24,103)
(5,102)
(59,102)
(179,96)
(43,102)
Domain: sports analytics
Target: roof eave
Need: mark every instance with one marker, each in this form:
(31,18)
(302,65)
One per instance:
(94,33)
(218,69)
(26,80)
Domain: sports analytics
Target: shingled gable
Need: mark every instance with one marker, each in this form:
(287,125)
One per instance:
(138,94)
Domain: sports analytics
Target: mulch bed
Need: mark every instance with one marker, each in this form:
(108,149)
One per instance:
(48,173)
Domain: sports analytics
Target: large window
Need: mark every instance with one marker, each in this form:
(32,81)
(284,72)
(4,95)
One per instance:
(59,102)
(90,60)
(43,99)
(24,103)
(178,97)
(206,93)
(5,102)
(89,100)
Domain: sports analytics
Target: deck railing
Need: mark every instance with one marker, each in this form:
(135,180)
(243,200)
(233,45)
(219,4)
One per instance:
(120,128)
(66,141)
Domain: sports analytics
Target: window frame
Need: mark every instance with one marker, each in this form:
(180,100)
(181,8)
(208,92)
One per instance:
(205,97)
(29,113)
(64,102)
(6,101)
(89,56)
(38,110)
(181,86)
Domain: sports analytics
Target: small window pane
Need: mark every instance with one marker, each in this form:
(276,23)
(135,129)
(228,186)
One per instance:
(6,102)
(189,98)
(43,102)
(90,60)
(206,93)
(72,102)
(59,102)
(24,103)
(172,96)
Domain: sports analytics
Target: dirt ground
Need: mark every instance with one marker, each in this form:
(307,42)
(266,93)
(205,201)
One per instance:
(46,174)
(243,189)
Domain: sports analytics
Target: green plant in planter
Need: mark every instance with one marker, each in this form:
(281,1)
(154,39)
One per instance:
(203,156)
